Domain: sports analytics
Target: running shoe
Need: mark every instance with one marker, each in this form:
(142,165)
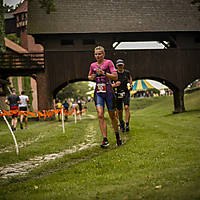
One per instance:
(127,128)
(104,144)
(122,126)
(21,126)
(119,142)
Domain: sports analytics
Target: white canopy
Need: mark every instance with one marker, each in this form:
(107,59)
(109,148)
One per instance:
(157,84)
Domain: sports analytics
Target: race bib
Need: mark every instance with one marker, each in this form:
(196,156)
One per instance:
(101,88)
(121,95)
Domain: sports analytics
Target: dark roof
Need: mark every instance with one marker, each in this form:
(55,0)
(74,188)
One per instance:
(103,16)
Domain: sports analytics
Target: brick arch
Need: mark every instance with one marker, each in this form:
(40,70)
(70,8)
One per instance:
(56,90)
(192,80)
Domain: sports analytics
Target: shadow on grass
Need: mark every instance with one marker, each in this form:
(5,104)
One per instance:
(195,111)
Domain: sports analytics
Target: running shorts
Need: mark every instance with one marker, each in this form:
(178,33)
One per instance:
(14,108)
(109,98)
(125,100)
(23,108)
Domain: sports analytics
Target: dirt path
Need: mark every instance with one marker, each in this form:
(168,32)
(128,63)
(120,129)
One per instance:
(25,167)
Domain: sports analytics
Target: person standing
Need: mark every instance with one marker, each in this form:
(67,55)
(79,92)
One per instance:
(58,107)
(23,106)
(103,71)
(13,101)
(122,89)
(80,106)
(66,107)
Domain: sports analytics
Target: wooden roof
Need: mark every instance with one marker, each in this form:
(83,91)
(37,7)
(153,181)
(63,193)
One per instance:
(94,16)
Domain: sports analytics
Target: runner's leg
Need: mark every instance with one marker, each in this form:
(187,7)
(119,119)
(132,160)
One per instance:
(26,122)
(15,122)
(102,121)
(113,120)
(127,113)
(21,121)
(110,102)
(127,110)
(119,105)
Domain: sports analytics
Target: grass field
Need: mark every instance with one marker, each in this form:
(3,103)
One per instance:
(159,160)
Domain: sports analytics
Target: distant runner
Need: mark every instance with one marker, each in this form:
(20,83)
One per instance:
(23,106)
(13,100)
(58,107)
(103,71)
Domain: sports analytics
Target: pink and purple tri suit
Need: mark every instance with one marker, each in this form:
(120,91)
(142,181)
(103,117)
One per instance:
(103,91)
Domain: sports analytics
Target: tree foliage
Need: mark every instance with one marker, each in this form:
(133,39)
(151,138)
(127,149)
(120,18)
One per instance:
(49,5)
(74,90)
(2,28)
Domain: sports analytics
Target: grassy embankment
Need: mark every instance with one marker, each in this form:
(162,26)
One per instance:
(158,160)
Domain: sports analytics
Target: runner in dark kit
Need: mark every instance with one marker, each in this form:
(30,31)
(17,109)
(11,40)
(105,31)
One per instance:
(103,71)
(122,86)
(13,100)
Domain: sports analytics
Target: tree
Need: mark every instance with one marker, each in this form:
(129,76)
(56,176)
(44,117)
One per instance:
(49,5)
(74,90)
(2,28)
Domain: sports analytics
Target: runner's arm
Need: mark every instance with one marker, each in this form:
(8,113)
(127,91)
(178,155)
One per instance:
(91,77)
(91,74)
(116,84)
(112,76)
(18,100)
(130,82)
(7,102)
(130,79)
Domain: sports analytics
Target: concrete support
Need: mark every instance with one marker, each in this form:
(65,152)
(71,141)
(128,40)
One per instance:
(179,101)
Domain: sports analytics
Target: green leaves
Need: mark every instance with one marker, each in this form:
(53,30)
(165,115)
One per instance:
(49,5)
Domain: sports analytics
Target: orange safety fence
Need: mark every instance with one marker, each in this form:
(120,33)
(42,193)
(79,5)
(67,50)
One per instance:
(44,113)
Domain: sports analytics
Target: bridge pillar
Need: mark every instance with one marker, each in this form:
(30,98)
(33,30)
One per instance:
(179,101)
(45,99)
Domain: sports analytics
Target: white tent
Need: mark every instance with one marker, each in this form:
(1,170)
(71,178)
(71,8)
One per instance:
(157,84)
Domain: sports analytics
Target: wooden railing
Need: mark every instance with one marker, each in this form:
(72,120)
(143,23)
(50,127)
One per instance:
(24,61)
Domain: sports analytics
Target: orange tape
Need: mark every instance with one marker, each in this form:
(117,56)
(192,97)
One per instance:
(45,113)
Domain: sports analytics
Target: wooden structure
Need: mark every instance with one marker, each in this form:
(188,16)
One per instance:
(26,59)
(70,34)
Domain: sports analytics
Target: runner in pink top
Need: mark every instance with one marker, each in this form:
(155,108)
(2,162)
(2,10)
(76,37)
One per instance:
(106,66)
(103,71)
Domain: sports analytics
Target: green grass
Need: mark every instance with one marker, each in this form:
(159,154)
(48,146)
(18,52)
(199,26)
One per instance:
(162,149)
